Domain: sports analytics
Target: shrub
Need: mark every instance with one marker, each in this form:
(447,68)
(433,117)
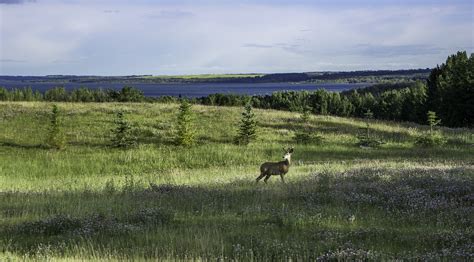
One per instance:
(305,137)
(56,138)
(131,94)
(248,127)
(371,142)
(185,131)
(56,94)
(122,134)
(431,139)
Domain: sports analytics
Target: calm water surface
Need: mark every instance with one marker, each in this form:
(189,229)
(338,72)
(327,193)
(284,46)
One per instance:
(193,90)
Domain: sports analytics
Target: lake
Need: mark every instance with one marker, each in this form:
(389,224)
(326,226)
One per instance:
(194,89)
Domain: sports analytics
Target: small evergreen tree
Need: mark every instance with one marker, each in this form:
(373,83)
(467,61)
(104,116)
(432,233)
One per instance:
(248,126)
(368,115)
(306,135)
(56,138)
(432,138)
(185,131)
(121,135)
(365,140)
(306,114)
(432,121)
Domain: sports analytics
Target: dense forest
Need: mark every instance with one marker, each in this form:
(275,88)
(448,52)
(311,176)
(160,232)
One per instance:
(448,91)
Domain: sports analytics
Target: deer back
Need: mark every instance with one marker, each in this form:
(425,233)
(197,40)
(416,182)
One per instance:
(275,168)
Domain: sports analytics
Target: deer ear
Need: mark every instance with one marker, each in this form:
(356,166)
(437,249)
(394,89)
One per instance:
(290,150)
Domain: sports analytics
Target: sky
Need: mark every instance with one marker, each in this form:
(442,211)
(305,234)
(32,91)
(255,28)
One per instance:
(174,37)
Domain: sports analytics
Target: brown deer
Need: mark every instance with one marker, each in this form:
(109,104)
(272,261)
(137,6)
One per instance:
(269,169)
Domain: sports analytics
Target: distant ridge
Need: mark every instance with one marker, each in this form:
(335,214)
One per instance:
(344,76)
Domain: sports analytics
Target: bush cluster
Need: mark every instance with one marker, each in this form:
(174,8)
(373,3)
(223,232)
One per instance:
(429,140)
(306,137)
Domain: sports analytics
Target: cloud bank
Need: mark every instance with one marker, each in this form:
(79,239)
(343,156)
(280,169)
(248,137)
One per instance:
(192,37)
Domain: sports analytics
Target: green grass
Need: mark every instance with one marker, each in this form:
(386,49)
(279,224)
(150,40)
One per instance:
(160,201)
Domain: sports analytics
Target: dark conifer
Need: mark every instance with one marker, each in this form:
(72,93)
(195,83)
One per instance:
(122,136)
(185,131)
(248,127)
(56,138)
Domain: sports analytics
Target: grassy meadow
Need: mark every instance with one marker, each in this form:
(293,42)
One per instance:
(159,201)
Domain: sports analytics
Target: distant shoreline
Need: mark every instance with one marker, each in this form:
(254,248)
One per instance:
(191,90)
(376,76)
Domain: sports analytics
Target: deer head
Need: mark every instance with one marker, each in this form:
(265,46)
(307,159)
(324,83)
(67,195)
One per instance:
(288,153)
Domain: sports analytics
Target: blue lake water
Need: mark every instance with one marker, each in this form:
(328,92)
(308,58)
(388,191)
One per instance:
(194,89)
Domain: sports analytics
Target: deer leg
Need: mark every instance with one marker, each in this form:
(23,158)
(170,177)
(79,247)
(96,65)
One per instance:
(260,177)
(266,178)
(282,179)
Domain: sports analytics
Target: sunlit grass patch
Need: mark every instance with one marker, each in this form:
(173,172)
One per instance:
(161,201)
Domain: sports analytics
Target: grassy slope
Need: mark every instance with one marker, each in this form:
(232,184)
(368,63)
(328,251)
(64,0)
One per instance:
(340,200)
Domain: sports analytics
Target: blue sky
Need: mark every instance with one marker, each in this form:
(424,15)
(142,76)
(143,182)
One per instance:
(105,37)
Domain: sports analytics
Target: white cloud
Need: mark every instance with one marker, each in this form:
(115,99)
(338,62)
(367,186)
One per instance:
(126,38)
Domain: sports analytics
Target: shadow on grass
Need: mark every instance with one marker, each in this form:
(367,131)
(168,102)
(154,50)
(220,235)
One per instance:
(327,153)
(331,128)
(211,139)
(417,210)
(23,146)
(88,144)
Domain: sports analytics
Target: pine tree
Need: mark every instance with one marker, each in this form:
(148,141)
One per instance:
(248,127)
(306,135)
(185,131)
(368,115)
(56,138)
(365,140)
(306,114)
(432,138)
(432,121)
(450,91)
(121,134)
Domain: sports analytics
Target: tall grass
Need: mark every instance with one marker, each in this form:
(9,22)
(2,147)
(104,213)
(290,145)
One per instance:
(161,201)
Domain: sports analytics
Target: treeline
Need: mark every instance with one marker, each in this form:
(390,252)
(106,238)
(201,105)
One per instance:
(83,94)
(405,104)
(367,73)
(449,92)
(378,75)
(378,89)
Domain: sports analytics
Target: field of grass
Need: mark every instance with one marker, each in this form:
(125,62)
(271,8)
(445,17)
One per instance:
(161,201)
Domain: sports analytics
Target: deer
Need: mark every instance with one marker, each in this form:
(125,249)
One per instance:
(269,169)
